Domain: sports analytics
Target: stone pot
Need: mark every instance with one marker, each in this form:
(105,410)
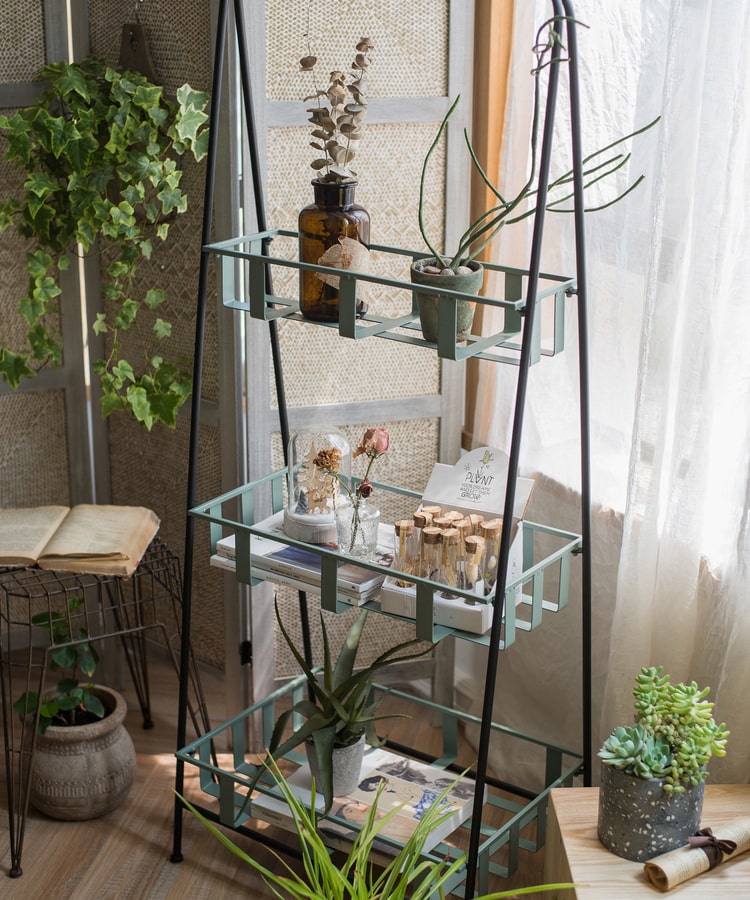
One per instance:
(638,820)
(84,771)
(427,304)
(347,766)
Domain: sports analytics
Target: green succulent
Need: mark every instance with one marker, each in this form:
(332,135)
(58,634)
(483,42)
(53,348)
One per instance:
(674,734)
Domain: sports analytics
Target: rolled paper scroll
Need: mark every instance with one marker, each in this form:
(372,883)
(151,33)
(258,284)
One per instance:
(705,851)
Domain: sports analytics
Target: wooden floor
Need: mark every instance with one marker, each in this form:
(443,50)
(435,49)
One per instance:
(127,853)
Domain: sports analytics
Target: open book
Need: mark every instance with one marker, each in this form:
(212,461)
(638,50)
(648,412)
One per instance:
(98,539)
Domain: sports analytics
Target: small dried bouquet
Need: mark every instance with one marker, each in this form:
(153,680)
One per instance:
(338,115)
(373,445)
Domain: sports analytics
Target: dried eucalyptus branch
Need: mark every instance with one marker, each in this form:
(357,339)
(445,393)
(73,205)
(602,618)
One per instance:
(338,117)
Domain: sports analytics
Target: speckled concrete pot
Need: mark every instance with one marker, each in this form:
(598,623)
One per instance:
(638,820)
(347,766)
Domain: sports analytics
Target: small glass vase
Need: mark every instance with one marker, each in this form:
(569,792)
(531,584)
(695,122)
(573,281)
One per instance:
(333,215)
(357,528)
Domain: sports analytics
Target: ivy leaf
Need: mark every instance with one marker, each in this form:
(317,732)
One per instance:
(139,403)
(14,367)
(162,329)
(154,297)
(100,324)
(110,400)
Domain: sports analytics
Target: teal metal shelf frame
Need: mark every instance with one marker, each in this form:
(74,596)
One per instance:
(234,512)
(252,250)
(245,263)
(498,851)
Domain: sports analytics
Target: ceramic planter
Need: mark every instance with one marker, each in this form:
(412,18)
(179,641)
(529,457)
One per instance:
(427,304)
(638,820)
(84,771)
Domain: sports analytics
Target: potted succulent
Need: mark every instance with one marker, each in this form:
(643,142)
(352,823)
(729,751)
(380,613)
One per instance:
(354,876)
(339,714)
(100,150)
(653,771)
(334,231)
(459,271)
(84,759)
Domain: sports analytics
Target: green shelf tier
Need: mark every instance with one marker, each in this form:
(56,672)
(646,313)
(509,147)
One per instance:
(546,551)
(520,819)
(245,261)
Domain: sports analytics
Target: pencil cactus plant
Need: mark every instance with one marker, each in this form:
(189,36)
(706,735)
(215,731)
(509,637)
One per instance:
(674,734)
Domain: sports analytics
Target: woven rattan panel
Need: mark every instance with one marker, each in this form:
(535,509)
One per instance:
(22,47)
(151,468)
(402,32)
(371,369)
(152,471)
(33,449)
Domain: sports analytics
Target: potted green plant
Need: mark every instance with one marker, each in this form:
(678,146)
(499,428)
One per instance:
(339,715)
(654,770)
(100,151)
(459,271)
(327,878)
(84,759)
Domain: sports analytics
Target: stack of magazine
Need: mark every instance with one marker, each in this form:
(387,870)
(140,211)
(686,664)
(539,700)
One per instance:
(273,560)
(408,786)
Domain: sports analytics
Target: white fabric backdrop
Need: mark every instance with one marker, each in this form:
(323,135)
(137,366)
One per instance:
(670,329)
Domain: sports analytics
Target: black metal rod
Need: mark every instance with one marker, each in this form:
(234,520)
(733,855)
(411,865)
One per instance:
(485,731)
(584,380)
(200,319)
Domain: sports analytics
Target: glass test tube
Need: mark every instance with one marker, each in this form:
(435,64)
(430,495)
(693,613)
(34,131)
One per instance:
(449,560)
(403,549)
(421,520)
(432,538)
(474,550)
(491,532)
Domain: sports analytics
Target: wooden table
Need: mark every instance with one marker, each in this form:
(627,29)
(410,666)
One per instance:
(573,851)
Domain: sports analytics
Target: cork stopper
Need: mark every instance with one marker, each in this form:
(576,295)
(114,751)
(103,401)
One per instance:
(454,515)
(443,522)
(404,526)
(432,535)
(476,521)
(432,510)
(451,536)
(491,529)
(474,546)
(422,519)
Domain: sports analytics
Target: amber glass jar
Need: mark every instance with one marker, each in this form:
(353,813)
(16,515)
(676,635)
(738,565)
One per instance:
(334,214)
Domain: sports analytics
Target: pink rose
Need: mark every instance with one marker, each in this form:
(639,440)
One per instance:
(374,443)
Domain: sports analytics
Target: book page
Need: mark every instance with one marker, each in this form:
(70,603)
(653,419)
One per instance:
(24,533)
(99,532)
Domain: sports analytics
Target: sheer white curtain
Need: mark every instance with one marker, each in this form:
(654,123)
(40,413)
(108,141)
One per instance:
(670,350)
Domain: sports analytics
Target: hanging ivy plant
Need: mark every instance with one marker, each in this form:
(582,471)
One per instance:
(100,150)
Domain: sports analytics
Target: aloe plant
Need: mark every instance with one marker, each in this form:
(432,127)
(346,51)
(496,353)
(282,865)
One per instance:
(340,709)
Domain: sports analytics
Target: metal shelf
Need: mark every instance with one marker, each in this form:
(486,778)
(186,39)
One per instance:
(229,780)
(234,512)
(503,346)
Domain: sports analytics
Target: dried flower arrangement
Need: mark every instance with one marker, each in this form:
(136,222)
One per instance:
(338,116)
(374,444)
